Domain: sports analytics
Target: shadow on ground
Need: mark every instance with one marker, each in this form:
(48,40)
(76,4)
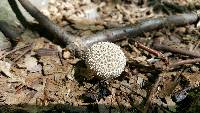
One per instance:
(65,108)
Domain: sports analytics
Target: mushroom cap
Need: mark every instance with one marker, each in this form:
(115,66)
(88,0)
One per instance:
(105,59)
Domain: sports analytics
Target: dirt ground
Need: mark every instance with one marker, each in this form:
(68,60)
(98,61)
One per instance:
(40,76)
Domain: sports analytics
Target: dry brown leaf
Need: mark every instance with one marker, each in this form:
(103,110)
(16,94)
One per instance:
(5,68)
(32,65)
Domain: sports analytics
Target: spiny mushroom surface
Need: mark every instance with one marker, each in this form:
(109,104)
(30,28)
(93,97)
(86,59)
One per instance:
(105,59)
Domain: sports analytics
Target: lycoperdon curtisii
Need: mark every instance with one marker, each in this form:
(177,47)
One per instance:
(105,59)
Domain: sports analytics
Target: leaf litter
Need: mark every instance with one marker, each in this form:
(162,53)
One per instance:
(47,75)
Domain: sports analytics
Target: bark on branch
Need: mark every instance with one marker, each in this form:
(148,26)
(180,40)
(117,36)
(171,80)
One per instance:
(142,27)
(9,32)
(46,23)
(77,44)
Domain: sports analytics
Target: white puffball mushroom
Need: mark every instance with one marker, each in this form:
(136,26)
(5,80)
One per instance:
(105,59)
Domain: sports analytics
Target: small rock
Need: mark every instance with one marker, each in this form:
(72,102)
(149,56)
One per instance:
(194,69)
(181,30)
(5,68)
(198,24)
(140,81)
(66,54)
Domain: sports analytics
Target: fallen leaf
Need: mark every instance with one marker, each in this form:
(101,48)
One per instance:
(5,68)
(32,65)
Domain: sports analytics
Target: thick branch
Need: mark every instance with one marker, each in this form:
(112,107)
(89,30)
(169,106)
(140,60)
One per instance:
(111,34)
(142,27)
(17,12)
(9,32)
(74,44)
(46,23)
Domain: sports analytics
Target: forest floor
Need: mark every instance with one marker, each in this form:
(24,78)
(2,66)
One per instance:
(39,76)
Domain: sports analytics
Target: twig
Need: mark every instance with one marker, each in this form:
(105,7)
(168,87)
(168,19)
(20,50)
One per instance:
(152,51)
(14,50)
(176,50)
(46,52)
(157,45)
(152,94)
(189,61)
(26,51)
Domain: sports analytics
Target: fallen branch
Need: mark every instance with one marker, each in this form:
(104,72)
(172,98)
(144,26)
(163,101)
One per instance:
(9,32)
(142,27)
(18,13)
(78,45)
(72,42)
(46,23)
